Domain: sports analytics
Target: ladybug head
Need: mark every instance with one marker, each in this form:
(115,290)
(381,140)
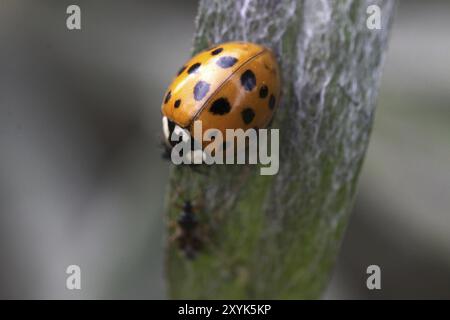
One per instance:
(170,127)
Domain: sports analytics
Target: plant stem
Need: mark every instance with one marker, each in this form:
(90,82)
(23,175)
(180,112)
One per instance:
(278,236)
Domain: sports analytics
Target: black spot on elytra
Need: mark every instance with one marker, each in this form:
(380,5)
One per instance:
(248,80)
(226,62)
(194,68)
(220,107)
(263,92)
(200,90)
(167,98)
(177,103)
(272,102)
(216,51)
(181,70)
(247,115)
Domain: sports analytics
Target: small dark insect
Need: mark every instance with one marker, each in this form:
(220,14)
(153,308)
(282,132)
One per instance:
(188,234)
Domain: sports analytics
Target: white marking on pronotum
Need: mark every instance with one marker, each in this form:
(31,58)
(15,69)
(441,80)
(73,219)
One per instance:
(165,125)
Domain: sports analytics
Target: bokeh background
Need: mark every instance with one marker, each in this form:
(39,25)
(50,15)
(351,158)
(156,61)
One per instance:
(82,181)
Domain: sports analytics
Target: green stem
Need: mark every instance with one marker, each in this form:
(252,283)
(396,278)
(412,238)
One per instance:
(278,236)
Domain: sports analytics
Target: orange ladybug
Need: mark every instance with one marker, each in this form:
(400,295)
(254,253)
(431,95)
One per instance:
(235,85)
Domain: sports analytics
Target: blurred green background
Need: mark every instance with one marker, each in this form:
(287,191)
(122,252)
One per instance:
(82,181)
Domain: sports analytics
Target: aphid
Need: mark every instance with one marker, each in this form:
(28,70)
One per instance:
(188,235)
(235,85)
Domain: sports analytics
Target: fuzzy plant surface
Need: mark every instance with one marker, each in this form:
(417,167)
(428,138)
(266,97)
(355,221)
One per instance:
(277,237)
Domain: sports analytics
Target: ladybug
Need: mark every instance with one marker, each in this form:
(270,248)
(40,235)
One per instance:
(234,85)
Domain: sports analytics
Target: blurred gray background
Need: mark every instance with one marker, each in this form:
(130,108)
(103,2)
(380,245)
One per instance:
(82,181)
